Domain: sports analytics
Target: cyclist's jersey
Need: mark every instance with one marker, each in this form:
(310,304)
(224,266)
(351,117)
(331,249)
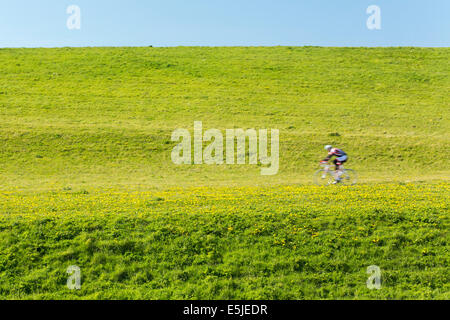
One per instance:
(335,152)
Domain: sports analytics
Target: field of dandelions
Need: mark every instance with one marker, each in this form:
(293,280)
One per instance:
(284,242)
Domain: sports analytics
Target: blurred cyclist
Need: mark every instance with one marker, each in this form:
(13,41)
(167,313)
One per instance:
(341,157)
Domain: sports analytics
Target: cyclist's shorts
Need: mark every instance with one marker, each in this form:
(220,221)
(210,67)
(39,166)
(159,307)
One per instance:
(341,160)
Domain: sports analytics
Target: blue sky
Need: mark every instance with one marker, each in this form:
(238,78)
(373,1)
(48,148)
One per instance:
(42,23)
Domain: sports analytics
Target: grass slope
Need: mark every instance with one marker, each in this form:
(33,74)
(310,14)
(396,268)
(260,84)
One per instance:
(103,117)
(87,180)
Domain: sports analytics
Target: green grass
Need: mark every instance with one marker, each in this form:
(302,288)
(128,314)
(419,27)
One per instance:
(86,177)
(104,116)
(285,242)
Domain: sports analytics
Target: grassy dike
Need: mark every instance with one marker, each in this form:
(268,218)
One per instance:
(86,176)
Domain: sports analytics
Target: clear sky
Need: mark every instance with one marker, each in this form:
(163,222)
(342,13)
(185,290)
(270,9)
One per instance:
(43,23)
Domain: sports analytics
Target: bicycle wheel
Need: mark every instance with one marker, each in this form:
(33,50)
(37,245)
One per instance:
(323,178)
(349,177)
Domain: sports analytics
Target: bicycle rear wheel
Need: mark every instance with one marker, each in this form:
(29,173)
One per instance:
(323,178)
(349,177)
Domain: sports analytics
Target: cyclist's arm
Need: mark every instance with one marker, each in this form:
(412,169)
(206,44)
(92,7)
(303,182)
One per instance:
(329,156)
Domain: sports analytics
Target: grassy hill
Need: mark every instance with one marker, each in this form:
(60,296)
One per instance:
(103,117)
(86,176)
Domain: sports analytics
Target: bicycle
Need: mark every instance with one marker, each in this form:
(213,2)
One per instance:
(325,176)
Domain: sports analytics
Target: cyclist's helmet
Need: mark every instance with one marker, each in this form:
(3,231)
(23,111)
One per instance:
(328,147)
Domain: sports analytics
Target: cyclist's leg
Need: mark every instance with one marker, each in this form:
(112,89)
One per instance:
(337,166)
(338,162)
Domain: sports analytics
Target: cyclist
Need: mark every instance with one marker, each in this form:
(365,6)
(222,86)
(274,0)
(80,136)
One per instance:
(341,157)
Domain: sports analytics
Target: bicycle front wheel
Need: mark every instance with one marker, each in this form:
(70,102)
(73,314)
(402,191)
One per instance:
(323,178)
(349,177)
